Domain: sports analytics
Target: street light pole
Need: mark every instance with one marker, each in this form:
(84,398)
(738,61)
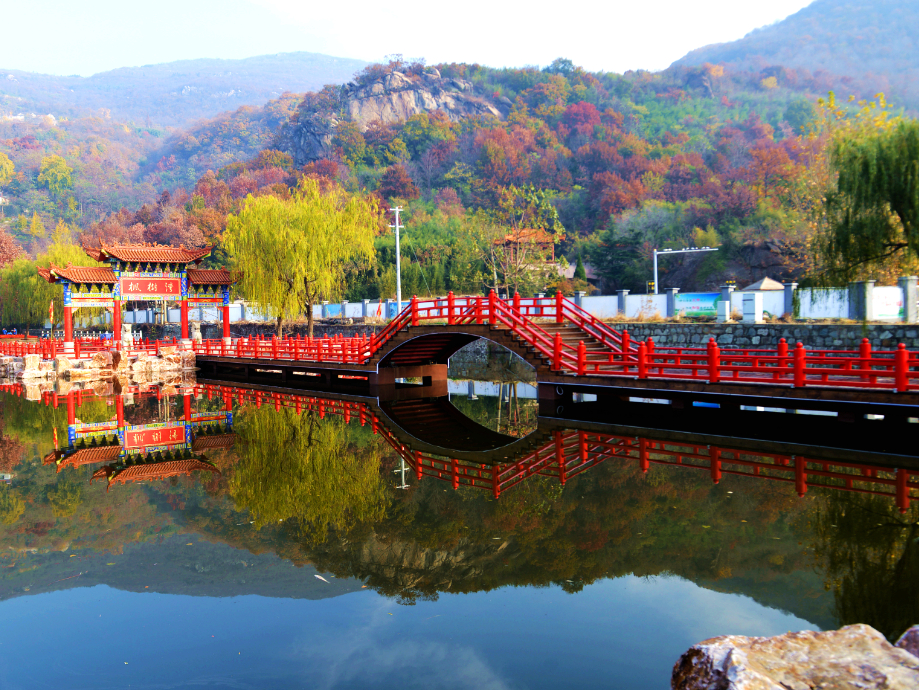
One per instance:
(691,250)
(397,227)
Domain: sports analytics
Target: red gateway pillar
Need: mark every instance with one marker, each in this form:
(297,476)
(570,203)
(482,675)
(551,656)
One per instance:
(68,324)
(71,408)
(116,321)
(184,319)
(119,410)
(226,314)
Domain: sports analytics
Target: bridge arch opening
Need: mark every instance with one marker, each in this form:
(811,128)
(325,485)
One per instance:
(500,348)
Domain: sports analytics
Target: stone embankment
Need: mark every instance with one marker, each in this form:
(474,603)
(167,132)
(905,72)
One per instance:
(105,372)
(856,656)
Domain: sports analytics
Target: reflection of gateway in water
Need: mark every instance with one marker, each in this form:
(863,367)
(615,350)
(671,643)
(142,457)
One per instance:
(141,452)
(436,440)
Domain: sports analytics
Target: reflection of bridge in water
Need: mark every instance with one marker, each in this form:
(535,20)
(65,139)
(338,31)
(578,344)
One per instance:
(435,440)
(421,433)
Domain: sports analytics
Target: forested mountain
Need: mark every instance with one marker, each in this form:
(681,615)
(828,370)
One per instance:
(173,94)
(719,153)
(872,43)
(689,155)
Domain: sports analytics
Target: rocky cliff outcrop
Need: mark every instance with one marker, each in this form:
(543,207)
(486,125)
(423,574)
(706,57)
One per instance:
(392,97)
(399,567)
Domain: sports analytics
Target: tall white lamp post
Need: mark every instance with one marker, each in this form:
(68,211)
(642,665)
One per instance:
(397,210)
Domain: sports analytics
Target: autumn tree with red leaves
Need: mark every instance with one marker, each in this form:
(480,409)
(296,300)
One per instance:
(9,248)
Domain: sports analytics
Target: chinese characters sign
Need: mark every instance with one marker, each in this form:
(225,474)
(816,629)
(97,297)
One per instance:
(697,303)
(141,437)
(150,288)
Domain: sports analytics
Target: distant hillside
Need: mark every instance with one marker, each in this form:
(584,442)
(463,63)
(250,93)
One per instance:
(229,137)
(174,93)
(873,42)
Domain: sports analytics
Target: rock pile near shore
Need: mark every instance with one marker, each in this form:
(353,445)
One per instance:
(104,373)
(101,365)
(856,656)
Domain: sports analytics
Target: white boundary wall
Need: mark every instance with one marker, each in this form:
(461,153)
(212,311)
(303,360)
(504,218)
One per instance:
(773,301)
(601,306)
(887,303)
(818,303)
(813,303)
(645,306)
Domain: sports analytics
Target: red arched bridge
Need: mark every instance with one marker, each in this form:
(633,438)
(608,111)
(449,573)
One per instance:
(573,351)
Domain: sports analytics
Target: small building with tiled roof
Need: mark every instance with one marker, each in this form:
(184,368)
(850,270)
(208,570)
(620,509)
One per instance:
(529,239)
(141,272)
(766,283)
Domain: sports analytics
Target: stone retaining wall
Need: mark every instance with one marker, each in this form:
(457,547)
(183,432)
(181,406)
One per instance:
(818,336)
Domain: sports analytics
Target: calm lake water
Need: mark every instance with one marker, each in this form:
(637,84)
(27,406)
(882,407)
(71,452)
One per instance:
(303,550)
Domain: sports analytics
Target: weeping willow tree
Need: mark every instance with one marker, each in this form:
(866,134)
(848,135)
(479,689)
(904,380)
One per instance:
(870,556)
(11,505)
(301,467)
(293,252)
(872,212)
(25,296)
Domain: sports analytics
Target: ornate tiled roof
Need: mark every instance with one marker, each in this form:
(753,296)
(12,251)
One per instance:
(152,470)
(214,441)
(204,276)
(83,456)
(148,253)
(83,275)
(527,236)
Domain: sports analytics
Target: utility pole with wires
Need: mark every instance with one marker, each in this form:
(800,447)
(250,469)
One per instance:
(397,227)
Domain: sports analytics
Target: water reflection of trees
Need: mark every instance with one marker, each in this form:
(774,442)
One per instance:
(11,505)
(303,468)
(327,481)
(869,553)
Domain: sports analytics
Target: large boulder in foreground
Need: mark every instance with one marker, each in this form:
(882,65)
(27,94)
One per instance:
(910,641)
(856,656)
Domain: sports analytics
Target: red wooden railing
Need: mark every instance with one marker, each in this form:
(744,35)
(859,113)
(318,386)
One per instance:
(896,370)
(527,318)
(568,453)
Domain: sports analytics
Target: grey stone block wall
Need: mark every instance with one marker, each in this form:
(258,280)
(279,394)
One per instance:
(817,336)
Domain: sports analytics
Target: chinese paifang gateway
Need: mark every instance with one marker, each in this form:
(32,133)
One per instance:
(144,452)
(141,272)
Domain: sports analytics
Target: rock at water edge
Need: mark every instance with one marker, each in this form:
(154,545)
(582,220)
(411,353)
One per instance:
(856,656)
(102,360)
(62,364)
(120,361)
(910,641)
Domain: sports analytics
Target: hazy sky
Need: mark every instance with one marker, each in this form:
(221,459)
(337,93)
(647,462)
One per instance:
(89,36)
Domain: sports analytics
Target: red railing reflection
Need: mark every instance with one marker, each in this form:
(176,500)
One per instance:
(569,452)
